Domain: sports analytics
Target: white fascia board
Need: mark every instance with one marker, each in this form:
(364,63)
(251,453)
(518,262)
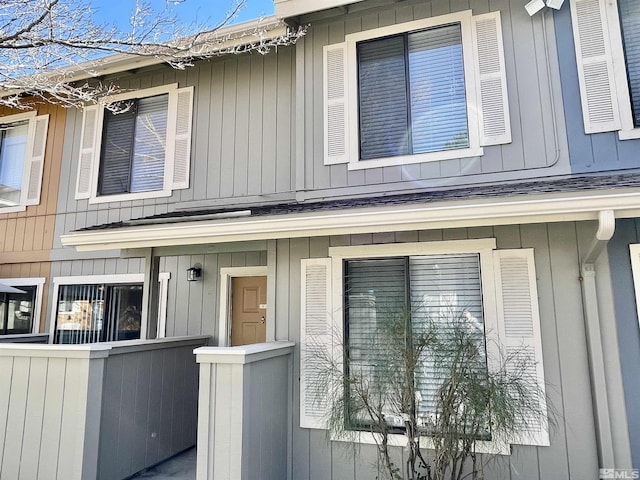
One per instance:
(291,8)
(450,214)
(265,28)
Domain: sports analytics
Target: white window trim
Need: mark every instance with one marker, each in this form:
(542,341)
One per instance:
(351,40)
(91,280)
(171,90)
(163,296)
(20,117)
(483,247)
(28,282)
(226,274)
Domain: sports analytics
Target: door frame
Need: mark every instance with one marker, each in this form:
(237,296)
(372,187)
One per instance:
(226,274)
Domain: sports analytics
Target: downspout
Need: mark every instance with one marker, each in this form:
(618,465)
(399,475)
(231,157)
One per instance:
(606,228)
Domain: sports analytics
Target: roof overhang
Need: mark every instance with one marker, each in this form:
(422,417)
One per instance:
(223,39)
(292,8)
(518,209)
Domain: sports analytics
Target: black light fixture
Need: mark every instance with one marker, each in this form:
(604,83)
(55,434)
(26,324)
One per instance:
(194,273)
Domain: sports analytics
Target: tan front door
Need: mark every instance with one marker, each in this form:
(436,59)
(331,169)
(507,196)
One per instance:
(248,310)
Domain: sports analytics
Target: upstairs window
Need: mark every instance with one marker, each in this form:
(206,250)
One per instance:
(427,90)
(13,150)
(22,148)
(141,151)
(412,95)
(133,147)
(630,20)
(607,43)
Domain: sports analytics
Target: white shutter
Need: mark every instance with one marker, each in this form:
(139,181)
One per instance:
(35,159)
(89,150)
(335,104)
(315,341)
(495,124)
(182,151)
(595,66)
(519,330)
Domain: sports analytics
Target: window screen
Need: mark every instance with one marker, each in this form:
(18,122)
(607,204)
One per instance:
(133,147)
(13,149)
(412,95)
(630,18)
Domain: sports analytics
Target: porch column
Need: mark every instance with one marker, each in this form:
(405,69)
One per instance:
(243,411)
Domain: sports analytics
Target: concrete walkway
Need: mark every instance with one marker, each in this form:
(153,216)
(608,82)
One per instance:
(180,467)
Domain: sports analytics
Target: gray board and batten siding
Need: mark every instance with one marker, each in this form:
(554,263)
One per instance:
(241,141)
(596,152)
(258,135)
(538,146)
(627,232)
(558,248)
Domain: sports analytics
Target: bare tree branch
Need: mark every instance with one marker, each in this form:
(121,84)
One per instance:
(51,50)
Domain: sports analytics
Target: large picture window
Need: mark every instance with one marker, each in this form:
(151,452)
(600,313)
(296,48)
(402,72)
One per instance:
(424,292)
(463,290)
(91,313)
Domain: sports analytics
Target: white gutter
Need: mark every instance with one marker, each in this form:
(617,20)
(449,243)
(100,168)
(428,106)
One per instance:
(595,345)
(292,8)
(443,214)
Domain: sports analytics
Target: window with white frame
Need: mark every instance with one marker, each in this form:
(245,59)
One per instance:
(606,37)
(426,90)
(22,148)
(138,147)
(94,309)
(347,298)
(20,310)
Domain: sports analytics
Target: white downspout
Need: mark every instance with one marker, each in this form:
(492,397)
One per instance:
(604,437)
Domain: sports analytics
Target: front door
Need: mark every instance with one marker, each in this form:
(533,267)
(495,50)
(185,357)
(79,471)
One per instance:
(248,310)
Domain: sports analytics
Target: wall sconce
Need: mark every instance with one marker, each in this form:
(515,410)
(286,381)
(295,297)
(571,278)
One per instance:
(194,273)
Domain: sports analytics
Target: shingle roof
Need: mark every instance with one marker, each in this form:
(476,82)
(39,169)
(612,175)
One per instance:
(570,184)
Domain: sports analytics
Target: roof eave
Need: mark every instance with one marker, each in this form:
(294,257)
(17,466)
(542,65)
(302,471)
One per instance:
(426,216)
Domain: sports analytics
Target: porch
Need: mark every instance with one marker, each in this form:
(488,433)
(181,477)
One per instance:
(111,411)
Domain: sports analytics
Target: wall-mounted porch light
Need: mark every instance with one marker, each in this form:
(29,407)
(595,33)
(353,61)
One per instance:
(194,273)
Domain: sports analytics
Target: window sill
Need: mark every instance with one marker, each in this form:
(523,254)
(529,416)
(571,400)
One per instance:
(16,208)
(632,134)
(399,440)
(125,197)
(419,158)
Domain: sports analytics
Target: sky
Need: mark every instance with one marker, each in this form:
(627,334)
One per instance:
(189,11)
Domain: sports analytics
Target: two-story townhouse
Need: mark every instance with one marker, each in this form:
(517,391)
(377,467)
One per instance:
(30,158)
(404,141)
